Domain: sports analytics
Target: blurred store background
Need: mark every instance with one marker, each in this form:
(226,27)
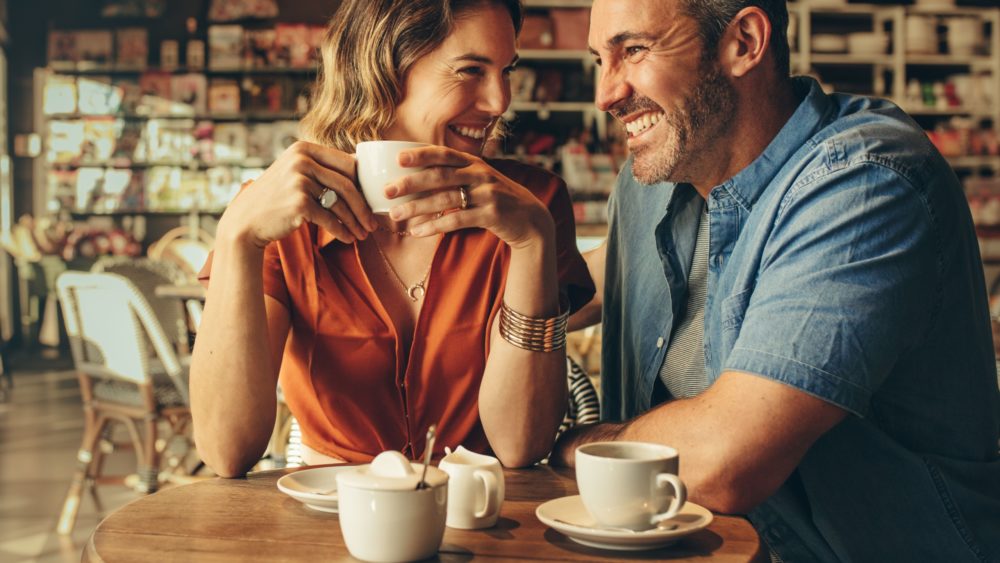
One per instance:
(127,125)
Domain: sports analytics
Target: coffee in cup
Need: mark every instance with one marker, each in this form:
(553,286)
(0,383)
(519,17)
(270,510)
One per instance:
(378,166)
(629,484)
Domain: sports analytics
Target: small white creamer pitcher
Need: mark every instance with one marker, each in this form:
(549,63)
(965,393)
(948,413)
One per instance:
(475,489)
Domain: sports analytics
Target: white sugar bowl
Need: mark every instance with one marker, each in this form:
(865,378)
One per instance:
(384,517)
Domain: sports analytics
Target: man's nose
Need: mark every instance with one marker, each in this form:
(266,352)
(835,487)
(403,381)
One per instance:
(612,88)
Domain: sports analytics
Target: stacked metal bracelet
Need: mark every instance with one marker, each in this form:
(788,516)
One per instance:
(531,333)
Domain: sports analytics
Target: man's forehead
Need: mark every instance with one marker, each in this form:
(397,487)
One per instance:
(615,21)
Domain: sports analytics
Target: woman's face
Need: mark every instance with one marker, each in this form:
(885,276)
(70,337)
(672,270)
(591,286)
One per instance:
(455,94)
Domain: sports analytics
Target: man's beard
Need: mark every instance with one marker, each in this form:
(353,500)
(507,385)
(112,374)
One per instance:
(699,121)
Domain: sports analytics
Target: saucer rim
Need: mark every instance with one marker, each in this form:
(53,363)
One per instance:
(306,497)
(648,539)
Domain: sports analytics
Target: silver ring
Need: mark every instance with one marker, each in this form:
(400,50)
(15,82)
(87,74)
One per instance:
(328,198)
(463,193)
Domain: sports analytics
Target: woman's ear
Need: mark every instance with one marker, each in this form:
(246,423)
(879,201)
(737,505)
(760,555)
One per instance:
(745,42)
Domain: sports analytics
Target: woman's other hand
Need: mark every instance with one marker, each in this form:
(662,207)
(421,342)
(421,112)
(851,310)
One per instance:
(288,193)
(492,201)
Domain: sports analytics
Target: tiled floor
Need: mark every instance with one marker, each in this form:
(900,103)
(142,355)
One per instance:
(41,424)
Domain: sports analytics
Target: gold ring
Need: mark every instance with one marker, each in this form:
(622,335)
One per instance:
(463,193)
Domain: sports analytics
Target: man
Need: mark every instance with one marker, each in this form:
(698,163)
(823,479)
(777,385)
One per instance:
(793,295)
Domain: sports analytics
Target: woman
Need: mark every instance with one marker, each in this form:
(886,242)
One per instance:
(383,325)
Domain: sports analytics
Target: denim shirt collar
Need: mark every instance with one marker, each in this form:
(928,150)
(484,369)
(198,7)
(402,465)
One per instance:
(814,110)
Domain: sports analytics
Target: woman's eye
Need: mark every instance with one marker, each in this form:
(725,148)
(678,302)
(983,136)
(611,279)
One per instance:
(509,70)
(471,71)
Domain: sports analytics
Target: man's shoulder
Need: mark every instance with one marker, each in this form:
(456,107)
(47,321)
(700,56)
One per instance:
(864,130)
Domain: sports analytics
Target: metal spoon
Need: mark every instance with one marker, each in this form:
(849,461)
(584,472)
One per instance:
(431,434)
(661,528)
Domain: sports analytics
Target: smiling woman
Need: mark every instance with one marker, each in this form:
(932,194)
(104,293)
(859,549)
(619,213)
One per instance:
(369,51)
(383,325)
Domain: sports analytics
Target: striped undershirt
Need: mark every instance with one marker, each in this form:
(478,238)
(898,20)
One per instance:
(683,369)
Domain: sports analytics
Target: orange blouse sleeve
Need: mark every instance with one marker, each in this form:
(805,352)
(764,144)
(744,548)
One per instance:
(574,277)
(274,278)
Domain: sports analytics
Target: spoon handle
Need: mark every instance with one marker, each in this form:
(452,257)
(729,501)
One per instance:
(431,434)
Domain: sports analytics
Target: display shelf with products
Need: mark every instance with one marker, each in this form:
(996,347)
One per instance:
(554,121)
(941,64)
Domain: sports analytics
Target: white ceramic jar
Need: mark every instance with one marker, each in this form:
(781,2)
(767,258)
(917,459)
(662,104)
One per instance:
(385,518)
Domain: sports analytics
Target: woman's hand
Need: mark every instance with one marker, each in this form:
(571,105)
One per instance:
(492,201)
(288,193)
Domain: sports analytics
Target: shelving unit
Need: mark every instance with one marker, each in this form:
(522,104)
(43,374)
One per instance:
(891,72)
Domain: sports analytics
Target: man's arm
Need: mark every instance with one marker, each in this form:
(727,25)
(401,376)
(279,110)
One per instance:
(738,441)
(590,314)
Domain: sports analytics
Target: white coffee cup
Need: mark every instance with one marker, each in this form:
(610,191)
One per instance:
(475,489)
(387,518)
(629,484)
(378,166)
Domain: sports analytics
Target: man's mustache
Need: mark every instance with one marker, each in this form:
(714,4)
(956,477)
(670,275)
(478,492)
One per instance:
(633,106)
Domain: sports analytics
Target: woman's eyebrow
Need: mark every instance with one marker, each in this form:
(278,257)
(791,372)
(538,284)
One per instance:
(477,58)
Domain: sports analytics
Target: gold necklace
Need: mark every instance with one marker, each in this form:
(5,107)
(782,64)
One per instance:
(397,233)
(416,291)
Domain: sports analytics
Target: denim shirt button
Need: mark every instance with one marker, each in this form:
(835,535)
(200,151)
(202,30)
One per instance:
(659,343)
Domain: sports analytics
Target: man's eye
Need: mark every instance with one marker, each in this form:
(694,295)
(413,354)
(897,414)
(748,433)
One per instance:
(471,70)
(634,51)
(597,61)
(509,70)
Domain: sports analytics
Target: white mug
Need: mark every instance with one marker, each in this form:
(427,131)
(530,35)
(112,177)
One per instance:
(378,166)
(388,518)
(475,489)
(629,484)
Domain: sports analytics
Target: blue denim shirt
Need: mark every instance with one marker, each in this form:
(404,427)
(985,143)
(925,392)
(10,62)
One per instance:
(843,262)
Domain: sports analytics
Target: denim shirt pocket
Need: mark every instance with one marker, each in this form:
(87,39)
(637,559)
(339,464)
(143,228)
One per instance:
(734,308)
(727,331)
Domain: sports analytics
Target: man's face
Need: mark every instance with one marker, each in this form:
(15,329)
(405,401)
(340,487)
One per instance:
(674,101)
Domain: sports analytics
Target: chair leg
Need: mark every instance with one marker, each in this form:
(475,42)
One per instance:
(93,428)
(149,470)
(6,377)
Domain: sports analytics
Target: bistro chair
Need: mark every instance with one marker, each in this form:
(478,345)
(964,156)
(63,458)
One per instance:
(177,317)
(584,406)
(129,374)
(184,246)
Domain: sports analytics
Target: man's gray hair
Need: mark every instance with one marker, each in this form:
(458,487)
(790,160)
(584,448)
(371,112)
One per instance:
(714,16)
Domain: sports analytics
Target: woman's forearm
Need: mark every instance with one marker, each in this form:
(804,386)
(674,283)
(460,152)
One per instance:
(233,371)
(522,399)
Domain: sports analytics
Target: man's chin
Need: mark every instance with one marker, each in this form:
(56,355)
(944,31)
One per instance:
(648,174)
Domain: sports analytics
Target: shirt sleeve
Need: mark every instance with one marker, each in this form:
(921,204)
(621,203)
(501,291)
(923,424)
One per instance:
(845,286)
(574,277)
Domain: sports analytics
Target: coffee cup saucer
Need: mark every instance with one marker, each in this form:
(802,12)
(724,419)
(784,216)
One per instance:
(568,516)
(315,487)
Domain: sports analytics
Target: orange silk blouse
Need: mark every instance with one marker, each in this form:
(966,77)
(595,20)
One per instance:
(342,372)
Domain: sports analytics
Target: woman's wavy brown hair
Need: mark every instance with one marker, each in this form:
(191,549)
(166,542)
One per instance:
(368,48)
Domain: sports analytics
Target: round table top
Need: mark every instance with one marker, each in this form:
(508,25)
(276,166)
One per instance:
(249,519)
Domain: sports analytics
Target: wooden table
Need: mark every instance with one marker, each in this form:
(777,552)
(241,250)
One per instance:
(251,520)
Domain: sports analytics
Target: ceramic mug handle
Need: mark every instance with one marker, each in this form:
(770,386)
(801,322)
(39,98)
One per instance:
(492,493)
(680,496)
